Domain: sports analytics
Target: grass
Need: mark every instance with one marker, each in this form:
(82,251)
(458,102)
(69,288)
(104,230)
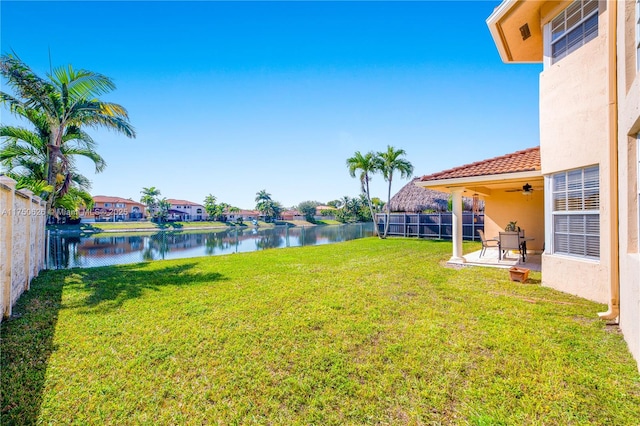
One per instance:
(364,332)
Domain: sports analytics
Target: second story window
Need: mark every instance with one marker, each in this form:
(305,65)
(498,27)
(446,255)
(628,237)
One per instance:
(573,27)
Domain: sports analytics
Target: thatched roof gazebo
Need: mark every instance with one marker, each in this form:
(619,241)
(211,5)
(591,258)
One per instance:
(415,199)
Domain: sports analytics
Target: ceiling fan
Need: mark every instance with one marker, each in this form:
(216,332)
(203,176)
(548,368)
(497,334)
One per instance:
(526,189)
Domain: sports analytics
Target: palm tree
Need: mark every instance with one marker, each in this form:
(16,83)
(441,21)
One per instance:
(25,154)
(67,99)
(150,198)
(264,204)
(388,162)
(365,164)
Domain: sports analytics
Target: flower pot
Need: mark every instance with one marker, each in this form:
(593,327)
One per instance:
(518,274)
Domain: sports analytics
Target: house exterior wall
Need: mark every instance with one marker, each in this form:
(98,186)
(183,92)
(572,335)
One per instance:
(189,212)
(527,210)
(124,211)
(628,164)
(575,133)
(590,114)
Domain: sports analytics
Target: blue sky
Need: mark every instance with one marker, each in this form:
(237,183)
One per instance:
(229,98)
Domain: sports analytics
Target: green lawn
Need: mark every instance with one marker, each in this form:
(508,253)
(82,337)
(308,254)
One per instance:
(364,332)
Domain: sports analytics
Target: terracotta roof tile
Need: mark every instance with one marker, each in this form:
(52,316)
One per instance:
(108,199)
(520,161)
(176,202)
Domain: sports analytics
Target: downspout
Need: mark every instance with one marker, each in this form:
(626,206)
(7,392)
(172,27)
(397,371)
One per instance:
(614,305)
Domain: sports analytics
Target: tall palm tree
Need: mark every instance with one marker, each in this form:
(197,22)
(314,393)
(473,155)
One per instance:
(66,99)
(366,165)
(388,162)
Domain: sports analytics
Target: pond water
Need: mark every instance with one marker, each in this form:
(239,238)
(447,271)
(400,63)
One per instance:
(85,251)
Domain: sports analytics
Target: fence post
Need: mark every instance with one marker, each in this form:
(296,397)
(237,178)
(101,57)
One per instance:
(27,247)
(47,249)
(404,220)
(473,226)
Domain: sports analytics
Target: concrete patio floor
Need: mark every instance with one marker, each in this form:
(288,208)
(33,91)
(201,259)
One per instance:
(490,259)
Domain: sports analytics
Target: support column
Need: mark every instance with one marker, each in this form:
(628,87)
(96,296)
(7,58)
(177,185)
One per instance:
(456,224)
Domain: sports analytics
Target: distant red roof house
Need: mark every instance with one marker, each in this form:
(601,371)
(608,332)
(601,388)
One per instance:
(176,202)
(114,208)
(291,215)
(519,161)
(185,210)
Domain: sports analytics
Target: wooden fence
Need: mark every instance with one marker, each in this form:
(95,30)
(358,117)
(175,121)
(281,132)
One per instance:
(22,242)
(431,225)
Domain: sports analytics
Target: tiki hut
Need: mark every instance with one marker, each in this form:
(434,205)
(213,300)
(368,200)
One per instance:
(416,199)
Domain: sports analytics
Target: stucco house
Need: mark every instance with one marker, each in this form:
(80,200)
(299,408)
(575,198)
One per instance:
(584,195)
(186,211)
(244,215)
(291,215)
(108,208)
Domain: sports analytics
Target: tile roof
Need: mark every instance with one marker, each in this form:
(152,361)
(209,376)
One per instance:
(520,161)
(108,199)
(175,202)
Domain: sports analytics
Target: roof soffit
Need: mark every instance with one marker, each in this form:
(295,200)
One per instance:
(505,23)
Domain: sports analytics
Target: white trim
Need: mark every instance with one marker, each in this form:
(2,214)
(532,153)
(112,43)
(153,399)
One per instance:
(492,22)
(546,46)
(548,217)
(478,179)
(584,213)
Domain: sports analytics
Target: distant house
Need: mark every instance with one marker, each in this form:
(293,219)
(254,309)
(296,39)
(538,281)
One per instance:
(186,211)
(113,209)
(244,215)
(324,209)
(291,215)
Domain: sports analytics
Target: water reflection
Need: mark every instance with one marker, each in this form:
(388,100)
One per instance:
(69,251)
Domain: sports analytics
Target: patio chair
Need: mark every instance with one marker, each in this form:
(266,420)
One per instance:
(509,241)
(486,243)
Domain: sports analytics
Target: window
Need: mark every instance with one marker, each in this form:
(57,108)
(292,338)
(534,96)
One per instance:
(107,204)
(576,212)
(573,28)
(120,205)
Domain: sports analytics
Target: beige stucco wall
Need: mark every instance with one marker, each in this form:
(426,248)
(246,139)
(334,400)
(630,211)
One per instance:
(528,210)
(628,128)
(574,133)
(22,230)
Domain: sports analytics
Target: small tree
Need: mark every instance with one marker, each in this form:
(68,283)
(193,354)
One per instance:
(265,205)
(163,210)
(150,199)
(308,209)
(210,206)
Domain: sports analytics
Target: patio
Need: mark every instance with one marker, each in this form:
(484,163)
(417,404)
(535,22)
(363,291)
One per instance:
(490,259)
